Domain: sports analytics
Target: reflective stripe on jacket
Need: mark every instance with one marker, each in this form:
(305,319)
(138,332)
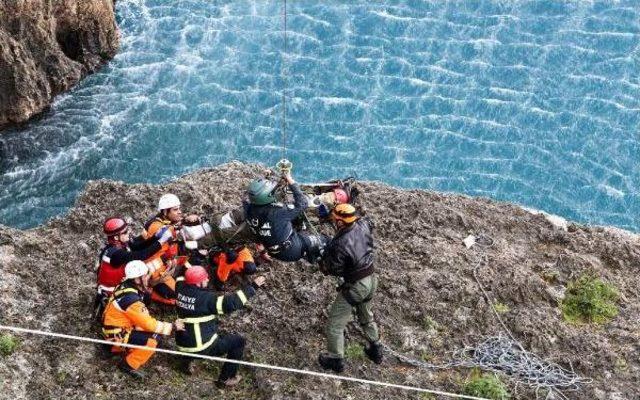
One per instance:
(199,308)
(126,310)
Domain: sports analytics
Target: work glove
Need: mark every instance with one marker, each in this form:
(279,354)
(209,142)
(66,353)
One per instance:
(323,211)
(258,281)
(178,325)
(232,256)
(192,220)
(165,235)
(161,232)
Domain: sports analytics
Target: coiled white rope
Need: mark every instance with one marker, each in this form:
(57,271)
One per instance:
(240,362)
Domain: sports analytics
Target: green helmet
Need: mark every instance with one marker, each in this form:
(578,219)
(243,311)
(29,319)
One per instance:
(261,192)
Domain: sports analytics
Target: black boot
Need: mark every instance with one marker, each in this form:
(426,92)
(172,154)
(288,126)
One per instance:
(374,352)
(124,367)
(185,366)
(333,363)
(104,352)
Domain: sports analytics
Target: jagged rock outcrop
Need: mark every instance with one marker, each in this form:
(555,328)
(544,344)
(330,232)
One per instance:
(46,47)
(428,304)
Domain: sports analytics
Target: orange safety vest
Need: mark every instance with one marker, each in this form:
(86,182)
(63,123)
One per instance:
(126,312)
(225,269)
(156,262)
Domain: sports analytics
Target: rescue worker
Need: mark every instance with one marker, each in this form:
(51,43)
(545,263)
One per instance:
(118,251)
(323,203)
(229,262)
(162,263)
(271,221)
(349,255)
(126,320)
(199,308)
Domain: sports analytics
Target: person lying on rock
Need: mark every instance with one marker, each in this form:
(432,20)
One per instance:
(162,263)
(127,320)
(228,262)
(271,222)
(200,308)
(349,255)
(117,252)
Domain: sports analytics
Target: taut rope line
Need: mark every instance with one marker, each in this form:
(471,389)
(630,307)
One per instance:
(240,362)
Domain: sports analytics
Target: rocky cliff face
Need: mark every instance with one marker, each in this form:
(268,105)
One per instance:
(46,47)
(428,304)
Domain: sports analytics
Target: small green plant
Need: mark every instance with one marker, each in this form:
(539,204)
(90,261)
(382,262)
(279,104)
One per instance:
(550,276)
(354,352)
(621,365)
(501,308)
(61,377)
(487,386)
(211,367)
(426,356)
(429,323)
(8,344)
(427,396)
(590,300)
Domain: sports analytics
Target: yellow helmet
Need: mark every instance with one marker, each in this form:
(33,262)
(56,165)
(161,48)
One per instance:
(344,212)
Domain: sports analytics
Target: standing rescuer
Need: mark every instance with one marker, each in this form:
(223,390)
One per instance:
(349,255)
(127,320)
(199,308)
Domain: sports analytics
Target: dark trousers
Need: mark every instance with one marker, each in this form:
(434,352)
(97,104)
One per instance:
(294,252)
(229,345)
(302,246)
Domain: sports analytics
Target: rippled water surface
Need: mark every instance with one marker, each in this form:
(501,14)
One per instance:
(535,102)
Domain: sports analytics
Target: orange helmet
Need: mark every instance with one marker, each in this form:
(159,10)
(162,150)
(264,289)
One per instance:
(345,213)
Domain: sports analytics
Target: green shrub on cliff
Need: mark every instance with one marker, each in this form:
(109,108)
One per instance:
(354,352)
(590,300)
(8,344)
(487,386)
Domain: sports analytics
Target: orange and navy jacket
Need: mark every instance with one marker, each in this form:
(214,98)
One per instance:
(243,264)
(168,251)
(199,309)
(114,256)
(126,311)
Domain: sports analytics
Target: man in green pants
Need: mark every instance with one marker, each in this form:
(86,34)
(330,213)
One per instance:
(349,255)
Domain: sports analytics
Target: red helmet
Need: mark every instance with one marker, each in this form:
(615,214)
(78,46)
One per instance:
(341,196)
(195,275)
(114,226)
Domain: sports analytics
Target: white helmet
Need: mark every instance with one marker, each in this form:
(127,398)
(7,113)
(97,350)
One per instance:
(135,269)
(168,201)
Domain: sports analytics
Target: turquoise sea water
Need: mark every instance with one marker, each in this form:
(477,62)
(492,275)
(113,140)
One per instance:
(534,102)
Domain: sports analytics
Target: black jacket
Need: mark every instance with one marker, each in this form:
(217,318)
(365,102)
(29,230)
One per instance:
(350,253)
(138,248)
(271,223)
(193,303)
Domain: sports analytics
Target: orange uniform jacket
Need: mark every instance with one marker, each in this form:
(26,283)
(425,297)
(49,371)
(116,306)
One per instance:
(168,251)
(244,263)
(126,311)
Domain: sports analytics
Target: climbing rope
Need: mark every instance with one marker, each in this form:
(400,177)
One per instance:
(504,354)
(283,73)
(240,362)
